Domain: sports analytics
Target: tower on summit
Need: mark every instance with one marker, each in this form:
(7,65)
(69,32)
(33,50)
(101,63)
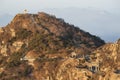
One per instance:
(25,11)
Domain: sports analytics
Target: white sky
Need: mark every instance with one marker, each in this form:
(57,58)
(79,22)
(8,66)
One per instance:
(18,5)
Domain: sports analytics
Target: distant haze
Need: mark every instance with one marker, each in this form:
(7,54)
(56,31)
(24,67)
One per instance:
(99,17)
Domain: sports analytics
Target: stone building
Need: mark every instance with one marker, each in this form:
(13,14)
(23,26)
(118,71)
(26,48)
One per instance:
(93,67)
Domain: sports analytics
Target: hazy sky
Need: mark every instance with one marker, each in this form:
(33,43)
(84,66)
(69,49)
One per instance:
(99,17)
(18,5)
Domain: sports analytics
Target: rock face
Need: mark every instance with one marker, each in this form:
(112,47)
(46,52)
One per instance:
(108,57)
(43,47)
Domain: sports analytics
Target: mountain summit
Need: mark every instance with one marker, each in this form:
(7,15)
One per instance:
(35,44)
(49,24)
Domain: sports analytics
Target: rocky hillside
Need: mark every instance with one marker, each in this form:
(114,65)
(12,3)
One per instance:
(43,47)
(108,57)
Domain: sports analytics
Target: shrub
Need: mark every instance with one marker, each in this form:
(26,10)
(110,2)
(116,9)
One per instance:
(42,42)
(22,34)
(27,71)
(14,59)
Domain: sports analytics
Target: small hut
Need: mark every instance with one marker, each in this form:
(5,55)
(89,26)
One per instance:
(93,67)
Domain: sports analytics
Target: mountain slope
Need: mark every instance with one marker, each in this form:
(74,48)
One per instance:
(108,58)
(51,24)
(109,53)
(38,43)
